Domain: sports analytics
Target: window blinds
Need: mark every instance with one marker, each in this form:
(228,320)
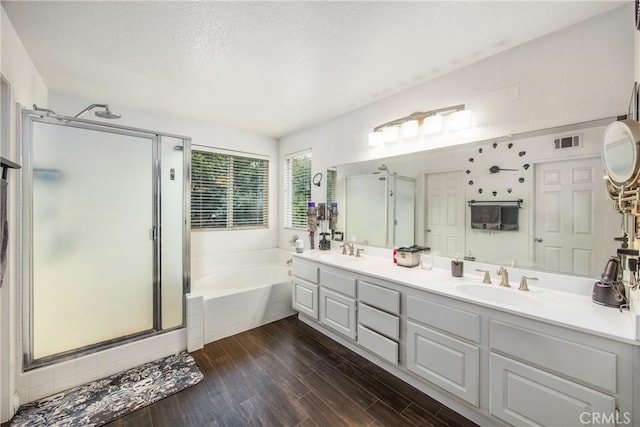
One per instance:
(228,191)
(332,178)
(297,189)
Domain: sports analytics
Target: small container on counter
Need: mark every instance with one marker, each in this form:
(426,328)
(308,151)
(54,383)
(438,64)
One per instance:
(426,260)
(457,269)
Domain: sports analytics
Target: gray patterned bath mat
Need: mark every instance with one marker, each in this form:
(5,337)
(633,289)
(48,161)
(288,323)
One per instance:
(104,400)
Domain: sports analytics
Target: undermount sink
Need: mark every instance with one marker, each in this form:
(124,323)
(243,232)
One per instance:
(498,295)
(335,257)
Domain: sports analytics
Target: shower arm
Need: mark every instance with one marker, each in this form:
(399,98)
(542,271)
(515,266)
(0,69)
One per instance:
(45,110)
(91,107)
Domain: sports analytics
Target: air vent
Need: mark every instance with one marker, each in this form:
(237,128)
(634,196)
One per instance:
(569,141)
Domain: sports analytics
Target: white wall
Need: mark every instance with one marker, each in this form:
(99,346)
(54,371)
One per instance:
(205,245)
(27,88)
(584,72)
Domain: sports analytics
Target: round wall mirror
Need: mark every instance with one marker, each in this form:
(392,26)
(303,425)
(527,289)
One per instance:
(620,152)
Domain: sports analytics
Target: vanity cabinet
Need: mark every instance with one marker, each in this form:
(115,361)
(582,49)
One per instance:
(304,294)
(442,347)
(540,379)
(338,301)
(491,365)
(379,320)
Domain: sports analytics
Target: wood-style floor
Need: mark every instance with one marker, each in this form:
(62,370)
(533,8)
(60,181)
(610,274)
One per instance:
(287,374)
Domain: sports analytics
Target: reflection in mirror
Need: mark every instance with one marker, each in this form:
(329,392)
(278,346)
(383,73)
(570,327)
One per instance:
(619,151)
(566,222)
(380,209)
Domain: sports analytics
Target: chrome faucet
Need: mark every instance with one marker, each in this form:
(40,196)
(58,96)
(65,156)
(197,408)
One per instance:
(344,248)
(487,277)
(504,277)
(359,252)
(523,283)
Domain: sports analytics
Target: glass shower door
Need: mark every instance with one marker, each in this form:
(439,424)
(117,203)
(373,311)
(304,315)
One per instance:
(94,253)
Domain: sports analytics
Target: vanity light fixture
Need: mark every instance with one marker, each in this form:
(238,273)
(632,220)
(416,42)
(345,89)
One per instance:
(390,134)
(410,129)
(375,139)
(460,120)
(430,121)
(432,124)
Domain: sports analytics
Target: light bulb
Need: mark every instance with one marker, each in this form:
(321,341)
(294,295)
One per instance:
(432,124)
(460,120)
(390,134)
(409,129)
(375,139)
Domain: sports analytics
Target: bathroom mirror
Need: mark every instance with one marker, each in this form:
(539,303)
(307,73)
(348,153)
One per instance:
(620,151)
(565,221)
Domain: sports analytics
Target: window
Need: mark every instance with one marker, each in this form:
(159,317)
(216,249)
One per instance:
(228,191)
(332,178)
(297,189)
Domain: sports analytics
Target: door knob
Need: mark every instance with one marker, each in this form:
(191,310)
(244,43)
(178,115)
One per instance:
(538,239)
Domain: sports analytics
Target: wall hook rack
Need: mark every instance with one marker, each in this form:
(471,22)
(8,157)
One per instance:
(6,165)
(495,202)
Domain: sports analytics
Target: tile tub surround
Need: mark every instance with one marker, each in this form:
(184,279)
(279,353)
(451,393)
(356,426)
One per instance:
(205,265)
(238,311)
(231,314)
(565,300)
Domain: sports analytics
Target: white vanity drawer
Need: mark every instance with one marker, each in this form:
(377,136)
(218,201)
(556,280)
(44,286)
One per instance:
(525,396)
(308,272)
(338,282)
(582,363)
(443,360)
(452,320)
(377,344)
(378,296)
(305,298)
(386,324)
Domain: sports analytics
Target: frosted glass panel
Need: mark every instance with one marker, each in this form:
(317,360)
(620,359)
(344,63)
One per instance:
(366,209)
(92,255)
(172,228)
(405,212)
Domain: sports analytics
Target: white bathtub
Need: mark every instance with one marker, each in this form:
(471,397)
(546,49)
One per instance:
(239,279)
(236,299)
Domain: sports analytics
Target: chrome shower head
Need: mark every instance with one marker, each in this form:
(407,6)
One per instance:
(106,114)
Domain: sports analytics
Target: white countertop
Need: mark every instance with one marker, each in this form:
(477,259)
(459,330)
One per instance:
(567,309)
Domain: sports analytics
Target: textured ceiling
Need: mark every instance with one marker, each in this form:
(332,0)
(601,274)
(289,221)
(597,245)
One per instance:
(269,67)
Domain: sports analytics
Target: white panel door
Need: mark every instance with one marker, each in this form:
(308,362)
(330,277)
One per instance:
(445,213)
(338,312)
(448,362)
(572,215)
(525,396)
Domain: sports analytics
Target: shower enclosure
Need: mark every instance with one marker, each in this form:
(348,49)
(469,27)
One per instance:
(105,234)
(380,209)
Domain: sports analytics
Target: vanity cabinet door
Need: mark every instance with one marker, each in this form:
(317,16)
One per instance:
(305,298)
(338,312)
(526,396)
(445,361)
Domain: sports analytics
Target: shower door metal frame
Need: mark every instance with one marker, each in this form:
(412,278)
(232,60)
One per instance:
(29,117)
